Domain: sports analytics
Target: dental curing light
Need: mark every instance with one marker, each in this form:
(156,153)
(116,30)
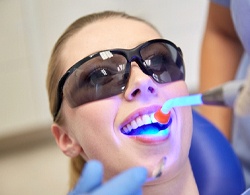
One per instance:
(163,115)
(223,95)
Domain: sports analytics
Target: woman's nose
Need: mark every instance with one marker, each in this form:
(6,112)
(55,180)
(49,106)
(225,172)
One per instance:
(140,85)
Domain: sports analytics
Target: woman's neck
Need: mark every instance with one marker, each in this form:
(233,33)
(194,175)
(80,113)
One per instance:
(184,183)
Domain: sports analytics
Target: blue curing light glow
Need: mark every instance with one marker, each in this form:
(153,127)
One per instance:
(190,100)
(154,129)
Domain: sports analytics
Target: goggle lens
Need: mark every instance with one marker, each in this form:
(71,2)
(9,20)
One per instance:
(106,73)
(96,79)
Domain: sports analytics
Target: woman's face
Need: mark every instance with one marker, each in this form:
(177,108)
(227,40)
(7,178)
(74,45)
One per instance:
(96,126)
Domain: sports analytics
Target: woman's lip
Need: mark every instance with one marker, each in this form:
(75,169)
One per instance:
(152,139)
(139,112)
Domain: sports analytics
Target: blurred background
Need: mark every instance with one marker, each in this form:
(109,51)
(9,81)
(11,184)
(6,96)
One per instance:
(30,162)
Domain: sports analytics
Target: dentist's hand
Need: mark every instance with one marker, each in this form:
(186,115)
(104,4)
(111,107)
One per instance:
(127,183)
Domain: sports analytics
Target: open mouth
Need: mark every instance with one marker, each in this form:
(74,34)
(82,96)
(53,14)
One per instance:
(145,125)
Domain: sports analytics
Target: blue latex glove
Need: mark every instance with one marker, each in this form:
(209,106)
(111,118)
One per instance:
(127,183)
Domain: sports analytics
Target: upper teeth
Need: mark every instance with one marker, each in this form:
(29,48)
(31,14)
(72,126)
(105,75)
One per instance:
(139,121)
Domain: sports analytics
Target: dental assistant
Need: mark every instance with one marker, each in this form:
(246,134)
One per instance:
(225,56)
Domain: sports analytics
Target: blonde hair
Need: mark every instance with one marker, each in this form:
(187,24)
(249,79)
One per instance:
(55,69)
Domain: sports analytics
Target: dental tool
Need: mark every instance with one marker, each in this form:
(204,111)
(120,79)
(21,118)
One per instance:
(223,95)
(157,172)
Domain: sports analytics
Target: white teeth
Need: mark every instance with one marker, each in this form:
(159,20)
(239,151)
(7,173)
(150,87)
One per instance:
(134,124)
(138,122)
(146,119)
(129,127)
(153,118)
(125,129)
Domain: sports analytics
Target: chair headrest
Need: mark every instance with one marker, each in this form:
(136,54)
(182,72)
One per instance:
(216,168)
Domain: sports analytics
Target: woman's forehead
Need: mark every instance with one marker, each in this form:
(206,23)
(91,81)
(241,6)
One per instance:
(107,34)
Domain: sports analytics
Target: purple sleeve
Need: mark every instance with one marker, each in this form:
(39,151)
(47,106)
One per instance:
(225,3)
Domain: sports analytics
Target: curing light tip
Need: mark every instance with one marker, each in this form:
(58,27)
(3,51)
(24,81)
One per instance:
(162,117)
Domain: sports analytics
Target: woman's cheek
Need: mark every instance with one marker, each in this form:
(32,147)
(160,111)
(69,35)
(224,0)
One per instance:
(95,120)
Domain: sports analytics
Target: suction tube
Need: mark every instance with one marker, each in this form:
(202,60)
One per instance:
(223,95)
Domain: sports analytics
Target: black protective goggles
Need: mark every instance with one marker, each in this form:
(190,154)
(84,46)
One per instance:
(106,73)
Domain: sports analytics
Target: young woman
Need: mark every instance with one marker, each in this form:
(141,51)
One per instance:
(108,74)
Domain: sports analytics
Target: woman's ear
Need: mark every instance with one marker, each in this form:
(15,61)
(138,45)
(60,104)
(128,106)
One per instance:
(66,143)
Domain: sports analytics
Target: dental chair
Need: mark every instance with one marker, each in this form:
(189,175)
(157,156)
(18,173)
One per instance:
(216,168)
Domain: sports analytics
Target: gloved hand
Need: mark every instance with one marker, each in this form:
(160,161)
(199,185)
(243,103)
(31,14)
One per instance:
(127,183)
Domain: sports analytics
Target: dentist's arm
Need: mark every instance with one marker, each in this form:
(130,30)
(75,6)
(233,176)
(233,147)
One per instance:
(220,55)
(127,183)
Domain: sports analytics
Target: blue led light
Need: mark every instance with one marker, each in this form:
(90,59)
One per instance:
(150,131)
(156,129)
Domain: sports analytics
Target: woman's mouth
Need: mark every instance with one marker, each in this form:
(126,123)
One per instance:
(146,125)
